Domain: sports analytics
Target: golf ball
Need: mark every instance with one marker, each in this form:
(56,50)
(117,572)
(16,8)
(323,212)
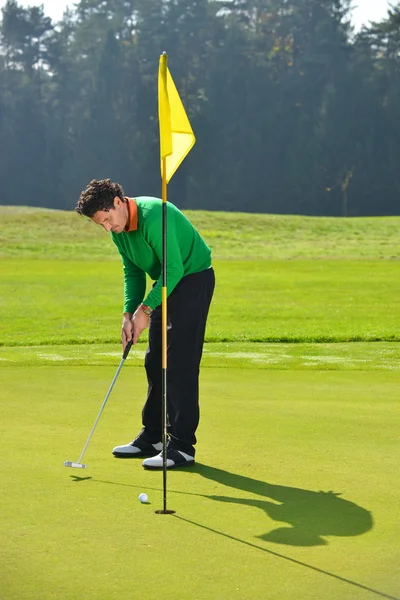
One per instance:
(143,497)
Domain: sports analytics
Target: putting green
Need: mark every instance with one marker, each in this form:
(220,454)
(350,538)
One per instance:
(295,493)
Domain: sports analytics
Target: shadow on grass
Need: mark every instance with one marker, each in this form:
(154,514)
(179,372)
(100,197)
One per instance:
(289,559)
(309,515)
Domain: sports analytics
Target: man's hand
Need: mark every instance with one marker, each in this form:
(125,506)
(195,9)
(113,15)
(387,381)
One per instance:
(127,330)
(133,325)
(140,321)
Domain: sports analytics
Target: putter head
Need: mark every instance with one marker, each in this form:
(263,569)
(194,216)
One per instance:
(74,465)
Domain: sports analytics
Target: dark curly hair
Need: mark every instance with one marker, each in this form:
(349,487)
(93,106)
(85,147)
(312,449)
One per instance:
(98,195)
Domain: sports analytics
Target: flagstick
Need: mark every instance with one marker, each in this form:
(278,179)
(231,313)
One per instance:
(164,333)
(173,123)
(164,338)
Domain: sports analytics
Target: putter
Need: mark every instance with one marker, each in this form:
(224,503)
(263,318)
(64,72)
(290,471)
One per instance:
(79,464)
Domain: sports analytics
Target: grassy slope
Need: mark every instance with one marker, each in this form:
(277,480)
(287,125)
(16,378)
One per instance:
(34,232)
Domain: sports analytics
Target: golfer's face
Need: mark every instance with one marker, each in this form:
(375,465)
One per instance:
(114,219)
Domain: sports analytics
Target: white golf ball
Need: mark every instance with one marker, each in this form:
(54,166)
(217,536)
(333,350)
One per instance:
(143,497)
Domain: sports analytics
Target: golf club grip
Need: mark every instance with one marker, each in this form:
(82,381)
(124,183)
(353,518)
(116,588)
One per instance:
(127,349)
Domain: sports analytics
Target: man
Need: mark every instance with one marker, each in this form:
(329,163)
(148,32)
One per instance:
(136,229)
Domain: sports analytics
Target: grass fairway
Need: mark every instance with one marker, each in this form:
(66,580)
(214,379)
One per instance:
(304,300)
(295,494)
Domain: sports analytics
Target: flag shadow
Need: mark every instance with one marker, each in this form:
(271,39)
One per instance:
(308,516)
(306,527)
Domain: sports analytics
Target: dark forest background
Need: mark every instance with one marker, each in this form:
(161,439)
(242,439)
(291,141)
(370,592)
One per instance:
(293,112)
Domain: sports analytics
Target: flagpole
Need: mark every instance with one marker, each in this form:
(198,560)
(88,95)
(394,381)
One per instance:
(164,330)
(164,314)
(164,340)
(176,140)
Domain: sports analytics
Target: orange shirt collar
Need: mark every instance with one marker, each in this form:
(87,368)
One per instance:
(132,223)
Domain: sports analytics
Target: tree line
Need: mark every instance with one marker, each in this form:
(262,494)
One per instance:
(293,112)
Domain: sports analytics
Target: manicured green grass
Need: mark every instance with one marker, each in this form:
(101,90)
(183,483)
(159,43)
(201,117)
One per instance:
(59,302)
(295,494)
(295,491)
(357,356)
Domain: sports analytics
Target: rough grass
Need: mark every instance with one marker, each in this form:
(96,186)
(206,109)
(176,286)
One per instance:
(35,232)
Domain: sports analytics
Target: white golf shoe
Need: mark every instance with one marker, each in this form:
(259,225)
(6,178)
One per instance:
(175,458)
(137,449)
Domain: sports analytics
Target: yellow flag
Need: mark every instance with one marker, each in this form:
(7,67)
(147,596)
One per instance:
(176,134)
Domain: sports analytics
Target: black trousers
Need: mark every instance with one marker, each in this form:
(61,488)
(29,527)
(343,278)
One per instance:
(188,306)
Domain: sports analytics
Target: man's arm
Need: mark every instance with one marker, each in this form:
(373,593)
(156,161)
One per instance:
(134,284)
(134,291)
(175,269)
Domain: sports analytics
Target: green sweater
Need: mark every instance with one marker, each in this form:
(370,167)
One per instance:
(141,252)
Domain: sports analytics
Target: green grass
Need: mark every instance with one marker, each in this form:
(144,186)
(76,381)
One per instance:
(61,278)
(294,494)
(59,302)
(362,356)
(295,491)
(34,232)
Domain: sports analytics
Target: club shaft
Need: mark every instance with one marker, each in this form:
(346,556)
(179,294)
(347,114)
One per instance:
(101,409)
